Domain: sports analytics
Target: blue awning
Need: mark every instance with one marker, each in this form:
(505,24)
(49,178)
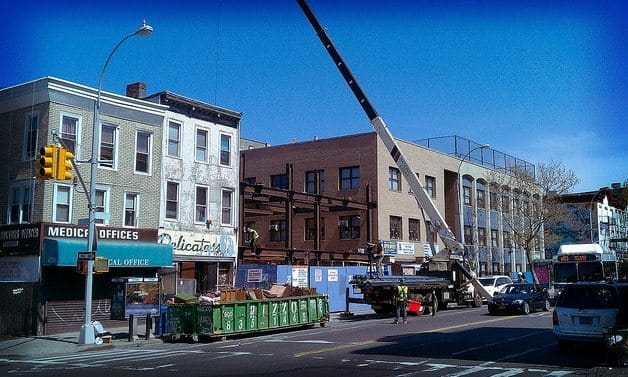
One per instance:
(64,252)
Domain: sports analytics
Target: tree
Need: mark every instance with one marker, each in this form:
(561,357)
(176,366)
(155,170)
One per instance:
(529,203)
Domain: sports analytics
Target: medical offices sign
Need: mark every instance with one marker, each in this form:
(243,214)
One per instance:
(103,233)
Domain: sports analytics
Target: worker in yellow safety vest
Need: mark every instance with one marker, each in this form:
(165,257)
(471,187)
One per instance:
(401,302)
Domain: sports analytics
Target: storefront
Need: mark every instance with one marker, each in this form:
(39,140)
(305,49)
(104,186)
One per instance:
(59,290)
(205,262)
(19,279)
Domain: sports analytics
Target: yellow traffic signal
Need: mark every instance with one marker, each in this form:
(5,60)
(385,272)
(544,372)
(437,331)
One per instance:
(47,162)
(64,164)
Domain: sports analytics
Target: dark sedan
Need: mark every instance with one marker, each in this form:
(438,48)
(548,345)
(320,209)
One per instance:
(519,298)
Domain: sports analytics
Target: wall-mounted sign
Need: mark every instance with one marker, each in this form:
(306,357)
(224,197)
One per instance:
(199,244)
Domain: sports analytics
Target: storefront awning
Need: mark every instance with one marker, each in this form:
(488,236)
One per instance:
(64,252)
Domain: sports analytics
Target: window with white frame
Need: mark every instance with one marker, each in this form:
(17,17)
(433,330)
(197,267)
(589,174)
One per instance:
(108,142)
(225,150)
(494,238)
(394,179)
(430,186)
(482,236)
(201,206)
(227,207)
(62,207)
(101,204)
(20,202)
(131,208)
(174,139)
(31,132)
(142,152)
(70,131)
(201,145)
(468,235)
(172,200)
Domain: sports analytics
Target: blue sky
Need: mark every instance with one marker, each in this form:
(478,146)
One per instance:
(537,81)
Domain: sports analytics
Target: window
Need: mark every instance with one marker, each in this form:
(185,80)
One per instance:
(70,125)
(468,235)
(172,200)
(131,205)
(250,180)
(414,230)
(493,198)
(430,232)
(349,178)
(279,181)
(505,201)
(395,227)
(479,194)
(245,233)
(200,213)
(101,204)
(142,152)
(62,203)
(349,227)
(108,136)
(310,181)
(201,145)
(494,242)
(278,231)
(225,150)
(310,229)
(20,203)
(174,139)
(430,186)
(394,179)
(31,132)
(466,195)
(507,240)
(227,207)
(482,236)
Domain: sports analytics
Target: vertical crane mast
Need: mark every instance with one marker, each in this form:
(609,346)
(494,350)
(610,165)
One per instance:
(451,244)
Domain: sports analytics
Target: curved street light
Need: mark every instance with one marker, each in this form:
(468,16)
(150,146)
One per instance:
(87,334)
(460,202)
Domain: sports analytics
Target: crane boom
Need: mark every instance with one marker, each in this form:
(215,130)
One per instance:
(452,246)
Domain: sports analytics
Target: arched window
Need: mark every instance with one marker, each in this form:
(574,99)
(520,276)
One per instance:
(466,190)
(505,203)
(480,192)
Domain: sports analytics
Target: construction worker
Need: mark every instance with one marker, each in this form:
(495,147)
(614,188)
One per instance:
(401,302)
(253,236)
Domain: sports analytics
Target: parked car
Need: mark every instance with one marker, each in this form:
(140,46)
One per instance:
(494,284)
(519,298)
(585,311)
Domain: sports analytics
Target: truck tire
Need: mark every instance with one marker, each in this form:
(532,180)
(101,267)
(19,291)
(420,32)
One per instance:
(477,301)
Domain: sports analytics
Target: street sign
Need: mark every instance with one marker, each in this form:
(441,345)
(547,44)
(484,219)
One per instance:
(86,255)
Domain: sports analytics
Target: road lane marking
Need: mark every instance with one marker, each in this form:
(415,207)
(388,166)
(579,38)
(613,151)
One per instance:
(329,349)
(314,341)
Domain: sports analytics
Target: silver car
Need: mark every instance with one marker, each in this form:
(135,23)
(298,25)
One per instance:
(584,310)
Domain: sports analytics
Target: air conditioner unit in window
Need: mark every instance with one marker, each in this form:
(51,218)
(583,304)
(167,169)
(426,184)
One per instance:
(343,223)
(274,227)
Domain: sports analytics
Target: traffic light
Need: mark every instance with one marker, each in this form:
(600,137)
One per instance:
(64,164)
(47,162)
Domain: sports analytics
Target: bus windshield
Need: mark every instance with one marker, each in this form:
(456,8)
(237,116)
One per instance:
(582,271)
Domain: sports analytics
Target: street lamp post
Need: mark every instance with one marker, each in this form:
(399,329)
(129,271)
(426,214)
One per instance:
(87,335)
(601,189)
(460,191)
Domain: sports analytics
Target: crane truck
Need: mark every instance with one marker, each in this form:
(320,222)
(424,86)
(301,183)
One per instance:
(446,277)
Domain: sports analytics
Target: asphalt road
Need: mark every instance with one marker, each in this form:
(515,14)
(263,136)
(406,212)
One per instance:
(458,342)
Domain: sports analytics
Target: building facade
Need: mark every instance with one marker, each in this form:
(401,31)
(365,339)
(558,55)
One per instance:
(358,168)
(199,197)
(45,221)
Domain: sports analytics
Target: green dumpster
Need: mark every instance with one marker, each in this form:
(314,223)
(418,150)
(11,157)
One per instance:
(221,319)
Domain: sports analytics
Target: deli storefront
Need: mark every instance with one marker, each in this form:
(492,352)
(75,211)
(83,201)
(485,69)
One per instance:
(131,252)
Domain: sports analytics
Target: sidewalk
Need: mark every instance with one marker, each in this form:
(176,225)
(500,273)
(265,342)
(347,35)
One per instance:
(22,347)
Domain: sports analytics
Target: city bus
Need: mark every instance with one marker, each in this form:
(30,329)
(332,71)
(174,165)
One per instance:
(582,262)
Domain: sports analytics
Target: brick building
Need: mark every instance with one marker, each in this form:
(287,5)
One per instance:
(359,169)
